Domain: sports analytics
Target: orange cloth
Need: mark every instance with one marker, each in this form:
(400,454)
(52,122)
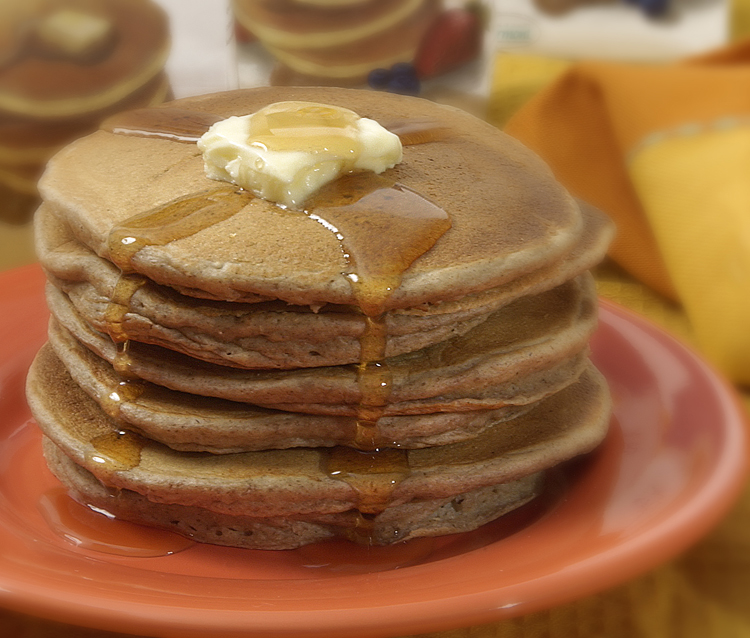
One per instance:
(585,124)
(663,150)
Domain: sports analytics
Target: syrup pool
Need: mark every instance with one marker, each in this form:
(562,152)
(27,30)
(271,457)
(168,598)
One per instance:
(94,529)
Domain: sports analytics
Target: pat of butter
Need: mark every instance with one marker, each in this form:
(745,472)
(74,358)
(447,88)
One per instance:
(287,151)
(74,34)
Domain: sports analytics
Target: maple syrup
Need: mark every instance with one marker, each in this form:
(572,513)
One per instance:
(362,531)
(169,123)
(96,529)
(374,475)
(126,390)
(119,305)
(177,219)
(415,132)
(307,127)
(382,227)
(120,450)
(129,387)
(115,451)
(337,556)
(375,381)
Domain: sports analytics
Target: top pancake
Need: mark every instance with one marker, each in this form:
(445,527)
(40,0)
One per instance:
(509,216)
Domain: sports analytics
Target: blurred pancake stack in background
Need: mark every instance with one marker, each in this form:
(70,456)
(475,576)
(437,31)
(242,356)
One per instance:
(431,48)
(65,65)
(339,41)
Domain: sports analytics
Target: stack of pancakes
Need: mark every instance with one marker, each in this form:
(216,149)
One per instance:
(404,357)
(65,65)
(339,42)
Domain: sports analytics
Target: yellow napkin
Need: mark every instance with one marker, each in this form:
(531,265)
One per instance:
(665,150)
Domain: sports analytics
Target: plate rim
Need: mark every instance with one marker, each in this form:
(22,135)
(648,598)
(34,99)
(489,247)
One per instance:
(440,613)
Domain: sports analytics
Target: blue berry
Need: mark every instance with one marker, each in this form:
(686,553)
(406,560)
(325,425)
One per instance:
(652,8)
(404,79)
(403,68)
(379,78)
(400,78)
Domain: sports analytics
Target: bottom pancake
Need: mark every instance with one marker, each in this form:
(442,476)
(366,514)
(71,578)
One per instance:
(430,517)
(305,482)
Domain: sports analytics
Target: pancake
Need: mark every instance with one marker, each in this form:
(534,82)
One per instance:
(520,220)
(65,65)
(191,423)
(323,45)
(43,85)
(26,141)
(300,481)
(351,62)
(429,517)
(249,335)
(406,354)
(26,144)
(533,335)
(300,25)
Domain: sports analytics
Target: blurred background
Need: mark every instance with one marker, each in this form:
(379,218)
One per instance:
(641,107)
(67,64)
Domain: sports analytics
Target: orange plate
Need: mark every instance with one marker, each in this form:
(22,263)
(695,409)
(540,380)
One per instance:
(673,463)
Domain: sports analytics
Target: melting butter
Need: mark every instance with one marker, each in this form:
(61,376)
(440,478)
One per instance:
(287,151)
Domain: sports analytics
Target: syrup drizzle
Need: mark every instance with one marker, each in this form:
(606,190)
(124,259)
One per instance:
(115,451)
(374,476)
(375,381)
(414,132)
(175,125)
(178,219)
(125,391)
(119,305)
(382,226)
(119,449)
(175,220)
(129,387)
